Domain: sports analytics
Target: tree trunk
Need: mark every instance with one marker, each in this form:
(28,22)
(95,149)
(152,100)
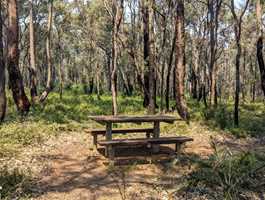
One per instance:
(117,17)
(169,72)
(32,67)
(49,84)
(152,67)
(163,64)
(214,8)
(15,77)
(145,10)
(61,67)
(260,44)
(237,31)
(180,62)
(2,72)
(236,111)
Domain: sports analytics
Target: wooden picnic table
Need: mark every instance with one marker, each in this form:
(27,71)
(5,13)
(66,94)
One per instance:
(155,119)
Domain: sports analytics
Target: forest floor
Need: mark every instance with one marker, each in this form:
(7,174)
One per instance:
(48,155)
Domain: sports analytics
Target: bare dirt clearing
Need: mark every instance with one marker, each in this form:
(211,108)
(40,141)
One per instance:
(67,168)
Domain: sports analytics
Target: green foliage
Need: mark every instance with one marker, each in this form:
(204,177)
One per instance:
(230,174)
(220,116)
(13,183)
(57,116)
(252,118)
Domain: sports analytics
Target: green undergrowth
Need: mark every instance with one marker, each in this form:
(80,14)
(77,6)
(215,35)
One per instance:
(70,114)
(225,175)
(221,117)
(14,183)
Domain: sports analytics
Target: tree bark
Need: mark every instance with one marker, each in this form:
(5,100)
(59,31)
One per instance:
(169,71)
(49,83)
(61,67)
(145,10)
(260,44)
(2,72)
(180,62)
(32,67)
(117,17)
(15,77)
(152,67)
(237,30)
(214,8)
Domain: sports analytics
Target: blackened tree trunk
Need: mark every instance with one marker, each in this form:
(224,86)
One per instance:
(49,83)
(237,29)
(260,44)
(15,77)
(214,8)
(169,72)
(2,72)
(180,62)
(32,67)
(145,11)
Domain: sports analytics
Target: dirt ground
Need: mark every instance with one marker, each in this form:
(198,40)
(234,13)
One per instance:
(68,169)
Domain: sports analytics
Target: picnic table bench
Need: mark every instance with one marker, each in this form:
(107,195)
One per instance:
(178,141)
(155,141)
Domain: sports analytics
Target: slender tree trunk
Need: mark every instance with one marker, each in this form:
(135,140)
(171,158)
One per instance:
(15,77)
(180,62)
(2,72)
(212,52)
(109,71)
(169,72)
(98,82)
(32,67)
(260,44)
(237,30)
(61,67)
(214,8)
(152,67)
(49,84)
(117,17)
(237,92)
(114,61)
(163,65)
(145,10)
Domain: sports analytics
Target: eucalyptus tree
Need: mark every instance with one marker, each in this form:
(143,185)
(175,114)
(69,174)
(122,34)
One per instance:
(260,59)
(32,49)
(237,20)
(180,61)
(15,77)
(49,83)
(2,71)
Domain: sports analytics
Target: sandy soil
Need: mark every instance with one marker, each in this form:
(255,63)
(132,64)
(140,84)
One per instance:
(68,169)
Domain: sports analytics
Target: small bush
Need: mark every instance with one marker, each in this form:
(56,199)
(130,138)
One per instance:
(230,174)
(14,183)
(223,117)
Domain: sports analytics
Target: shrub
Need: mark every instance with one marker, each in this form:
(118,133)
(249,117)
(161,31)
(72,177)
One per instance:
(230,174)
(13,183)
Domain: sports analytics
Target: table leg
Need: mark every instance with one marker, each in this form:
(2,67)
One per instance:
(108,137)
(156,134)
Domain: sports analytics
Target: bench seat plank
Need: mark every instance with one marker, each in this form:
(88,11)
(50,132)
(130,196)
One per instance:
(120,130)
(162,140)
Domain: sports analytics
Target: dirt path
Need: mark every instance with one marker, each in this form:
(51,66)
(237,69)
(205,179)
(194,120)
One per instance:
(70,170)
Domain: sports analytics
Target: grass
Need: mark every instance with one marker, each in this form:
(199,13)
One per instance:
(252,118)
(70,114)
(229,176)
(14,183)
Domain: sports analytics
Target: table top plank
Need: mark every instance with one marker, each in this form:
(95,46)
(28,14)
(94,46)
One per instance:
(133,119)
